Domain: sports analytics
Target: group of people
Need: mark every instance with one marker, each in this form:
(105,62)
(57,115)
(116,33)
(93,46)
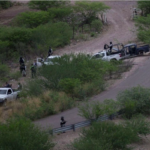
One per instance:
(108,47)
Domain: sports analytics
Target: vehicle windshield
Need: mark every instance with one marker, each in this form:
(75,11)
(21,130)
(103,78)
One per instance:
(3,92)
(100,55)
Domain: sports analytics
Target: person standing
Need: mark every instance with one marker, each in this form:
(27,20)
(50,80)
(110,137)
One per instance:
(62,123)
(50,51)
(33,73)
(106,46)
(21,61)
(19,86)
(111,46)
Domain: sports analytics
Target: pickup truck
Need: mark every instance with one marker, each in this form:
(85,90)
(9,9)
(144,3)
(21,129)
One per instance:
(8,94)
(132,49)
(104,55)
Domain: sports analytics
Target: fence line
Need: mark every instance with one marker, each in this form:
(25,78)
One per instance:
(84,123)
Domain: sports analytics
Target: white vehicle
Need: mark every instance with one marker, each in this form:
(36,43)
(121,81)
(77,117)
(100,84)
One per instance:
(49,61)
(8,94)
(104,55)
(39,62)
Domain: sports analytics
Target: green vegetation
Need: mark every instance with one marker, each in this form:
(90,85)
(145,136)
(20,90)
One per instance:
(5,4)
(108,135)
(143,22)
(93,110)
(54,24)
(135,100)
(21,134)
(46,4)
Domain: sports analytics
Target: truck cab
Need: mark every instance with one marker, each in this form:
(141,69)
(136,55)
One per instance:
(7,94)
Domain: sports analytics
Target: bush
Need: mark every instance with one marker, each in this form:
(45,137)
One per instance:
(56,35)
(135,100)
(105,135)
(5,4)
(96,25)
(34,88)
(59,13)
(19,133)
(139,124)
(91,110)
(45,5)
(4,71)
(68,84)
(32,19)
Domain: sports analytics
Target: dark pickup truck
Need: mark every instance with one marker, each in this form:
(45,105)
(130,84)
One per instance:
(132,49)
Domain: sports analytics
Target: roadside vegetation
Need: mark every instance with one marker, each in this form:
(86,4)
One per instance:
(22,134)
(143,21)
(133,104)
(108,135)
(72,78)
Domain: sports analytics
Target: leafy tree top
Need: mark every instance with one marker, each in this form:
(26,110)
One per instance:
(46,4)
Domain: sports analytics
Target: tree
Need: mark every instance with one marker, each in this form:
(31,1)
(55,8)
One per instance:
(46,4)
(89,11)
(145,7)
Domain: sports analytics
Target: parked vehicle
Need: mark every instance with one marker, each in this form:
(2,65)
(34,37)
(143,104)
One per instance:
(104,55)
(8,94)
(122,52)
(132,49)
(49,60)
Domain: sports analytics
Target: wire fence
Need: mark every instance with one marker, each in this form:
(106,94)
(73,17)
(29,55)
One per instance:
(84,123)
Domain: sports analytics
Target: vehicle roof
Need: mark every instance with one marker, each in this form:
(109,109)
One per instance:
(54,56)
(129,44)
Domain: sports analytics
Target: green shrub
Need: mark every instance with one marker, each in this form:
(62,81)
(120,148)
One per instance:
(139,124)
(45,5)
(68,84)
(91,110)
(19,133)
(34,88)
(105,135)
(5,4)
(33,112)
(4,70)
(96,25)
(135,100)
(56,35)
(32,19)
(59,13)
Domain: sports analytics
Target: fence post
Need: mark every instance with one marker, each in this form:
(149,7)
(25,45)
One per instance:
(73,127)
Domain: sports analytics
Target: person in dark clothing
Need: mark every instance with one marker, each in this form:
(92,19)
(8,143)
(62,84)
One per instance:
(106,46)
(21,60)
(110,47)
(50,51)
(63,122)
(8,85)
